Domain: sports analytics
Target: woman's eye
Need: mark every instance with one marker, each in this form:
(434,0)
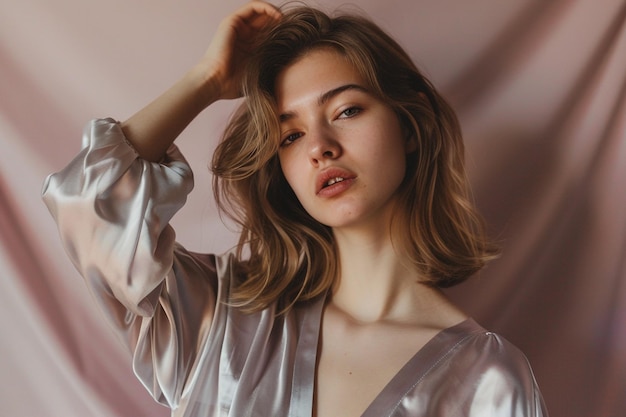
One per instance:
(349,112)
(290,138)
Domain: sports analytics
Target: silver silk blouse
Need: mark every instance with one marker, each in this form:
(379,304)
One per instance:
(201,357)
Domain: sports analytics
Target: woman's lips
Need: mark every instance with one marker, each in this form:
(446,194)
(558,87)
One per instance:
(336,188)
(333,181)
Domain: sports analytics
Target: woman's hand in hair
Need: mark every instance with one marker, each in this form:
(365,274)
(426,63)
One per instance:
(225,59)
(217,76)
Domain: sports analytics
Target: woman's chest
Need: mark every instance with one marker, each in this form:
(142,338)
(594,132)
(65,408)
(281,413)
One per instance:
(356,363)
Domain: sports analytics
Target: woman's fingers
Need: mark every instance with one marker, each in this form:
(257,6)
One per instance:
(256,8)
(227,54)
(252,18)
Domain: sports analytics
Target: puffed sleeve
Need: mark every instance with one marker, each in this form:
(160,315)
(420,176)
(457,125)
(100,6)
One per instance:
(113,211)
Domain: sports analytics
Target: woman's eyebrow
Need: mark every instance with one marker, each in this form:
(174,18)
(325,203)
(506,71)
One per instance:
(324,98)
(335,91)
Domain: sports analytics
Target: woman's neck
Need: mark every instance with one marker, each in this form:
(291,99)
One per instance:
(376,285)
(374,282)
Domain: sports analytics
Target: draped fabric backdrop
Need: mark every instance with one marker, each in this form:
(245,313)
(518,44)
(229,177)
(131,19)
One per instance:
(540,89)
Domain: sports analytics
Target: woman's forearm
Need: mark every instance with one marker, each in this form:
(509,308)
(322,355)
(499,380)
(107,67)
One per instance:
(153,129)
(218,75)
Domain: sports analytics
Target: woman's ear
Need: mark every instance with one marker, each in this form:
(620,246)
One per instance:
(410,140)
(409,133)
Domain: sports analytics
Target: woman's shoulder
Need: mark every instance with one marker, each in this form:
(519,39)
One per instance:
(482,368)
(482,347)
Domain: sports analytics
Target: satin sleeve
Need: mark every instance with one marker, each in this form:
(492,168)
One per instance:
(112,210)
(502,383)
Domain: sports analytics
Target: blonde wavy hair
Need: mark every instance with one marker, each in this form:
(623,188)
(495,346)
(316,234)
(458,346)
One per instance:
(289,256)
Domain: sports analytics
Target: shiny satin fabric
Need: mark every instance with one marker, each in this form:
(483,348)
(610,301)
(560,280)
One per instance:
(201,357)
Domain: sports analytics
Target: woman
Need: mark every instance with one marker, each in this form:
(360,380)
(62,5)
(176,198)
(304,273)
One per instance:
(344,169)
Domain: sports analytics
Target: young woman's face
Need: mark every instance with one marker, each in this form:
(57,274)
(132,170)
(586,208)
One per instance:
(342,150)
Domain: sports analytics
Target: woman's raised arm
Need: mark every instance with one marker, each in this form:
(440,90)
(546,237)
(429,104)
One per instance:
(217,76)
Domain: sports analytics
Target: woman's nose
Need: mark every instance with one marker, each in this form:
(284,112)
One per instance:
(323,145)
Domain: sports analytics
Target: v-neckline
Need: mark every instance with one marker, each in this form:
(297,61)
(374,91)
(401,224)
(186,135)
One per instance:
(410,375)
(418,367)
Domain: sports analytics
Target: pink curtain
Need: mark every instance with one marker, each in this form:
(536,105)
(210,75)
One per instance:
(539,87)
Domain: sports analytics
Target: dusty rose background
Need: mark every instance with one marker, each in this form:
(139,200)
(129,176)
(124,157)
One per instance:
(539,86)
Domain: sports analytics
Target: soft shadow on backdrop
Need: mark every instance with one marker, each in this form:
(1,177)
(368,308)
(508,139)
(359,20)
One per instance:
(540,89)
